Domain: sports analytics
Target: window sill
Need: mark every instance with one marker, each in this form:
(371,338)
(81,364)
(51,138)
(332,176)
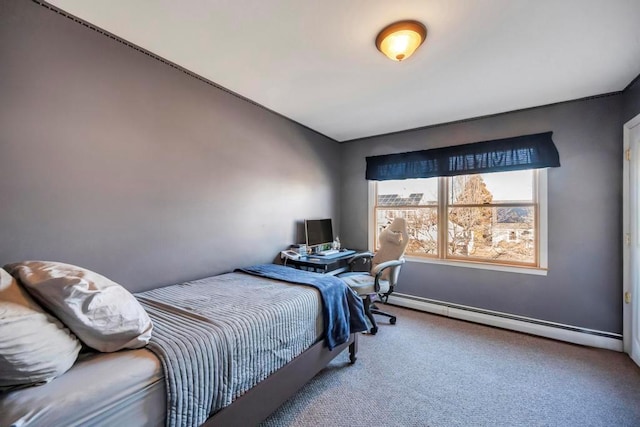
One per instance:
(481,266)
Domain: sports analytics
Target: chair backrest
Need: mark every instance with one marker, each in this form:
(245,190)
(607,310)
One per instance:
(393,242)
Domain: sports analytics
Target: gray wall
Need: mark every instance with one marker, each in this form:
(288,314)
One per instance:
(112,160)
(584,283)
(631,100)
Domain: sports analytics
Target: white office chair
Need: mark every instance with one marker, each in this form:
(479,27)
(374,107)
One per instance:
(384,269)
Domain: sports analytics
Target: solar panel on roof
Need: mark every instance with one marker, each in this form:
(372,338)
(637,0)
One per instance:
(414,199)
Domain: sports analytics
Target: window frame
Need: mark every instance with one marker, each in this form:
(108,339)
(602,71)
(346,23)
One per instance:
(540,204)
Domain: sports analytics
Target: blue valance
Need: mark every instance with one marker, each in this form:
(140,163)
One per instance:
(499,155)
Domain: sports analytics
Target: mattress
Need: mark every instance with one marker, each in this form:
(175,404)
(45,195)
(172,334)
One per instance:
(125,388)
(220,336)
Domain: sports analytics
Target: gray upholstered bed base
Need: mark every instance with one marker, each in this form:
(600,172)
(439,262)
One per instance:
(258,403)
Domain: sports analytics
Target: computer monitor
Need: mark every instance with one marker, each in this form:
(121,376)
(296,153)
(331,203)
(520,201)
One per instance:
(318,231)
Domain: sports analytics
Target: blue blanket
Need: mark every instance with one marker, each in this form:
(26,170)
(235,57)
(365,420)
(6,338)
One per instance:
(343,311)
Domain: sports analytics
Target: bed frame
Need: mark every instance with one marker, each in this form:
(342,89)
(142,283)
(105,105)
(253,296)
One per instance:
(258,403)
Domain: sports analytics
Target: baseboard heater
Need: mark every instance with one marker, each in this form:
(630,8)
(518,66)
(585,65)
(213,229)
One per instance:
(558,331)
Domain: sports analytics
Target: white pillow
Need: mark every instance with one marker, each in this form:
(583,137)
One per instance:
(34,346)
(103,314)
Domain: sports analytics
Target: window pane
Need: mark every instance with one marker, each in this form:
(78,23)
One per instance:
(408,192)
(494,233)
(422,225)
(498,187)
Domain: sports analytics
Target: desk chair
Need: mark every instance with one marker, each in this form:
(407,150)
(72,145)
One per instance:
(383,270)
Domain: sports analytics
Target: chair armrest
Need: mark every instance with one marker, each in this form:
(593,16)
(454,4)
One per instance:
(387,264)
(361,255)
(379,269)
(365,257)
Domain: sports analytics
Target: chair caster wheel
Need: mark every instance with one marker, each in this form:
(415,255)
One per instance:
(374,330)
(392,320)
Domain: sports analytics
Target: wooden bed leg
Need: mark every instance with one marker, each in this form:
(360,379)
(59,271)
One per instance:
(353,349)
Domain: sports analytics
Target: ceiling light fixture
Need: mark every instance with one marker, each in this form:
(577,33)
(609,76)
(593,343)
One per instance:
(399,40)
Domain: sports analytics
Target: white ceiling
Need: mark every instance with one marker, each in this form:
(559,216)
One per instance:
(315,61)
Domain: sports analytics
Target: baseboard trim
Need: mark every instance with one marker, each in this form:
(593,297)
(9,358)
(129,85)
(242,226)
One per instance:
(557,331)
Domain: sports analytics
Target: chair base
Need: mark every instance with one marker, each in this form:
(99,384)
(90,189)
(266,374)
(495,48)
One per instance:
(370,309)
(392,318)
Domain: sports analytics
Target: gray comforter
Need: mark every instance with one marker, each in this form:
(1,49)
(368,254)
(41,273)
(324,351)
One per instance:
(218,337)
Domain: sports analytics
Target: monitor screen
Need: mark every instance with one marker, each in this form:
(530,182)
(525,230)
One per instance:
(318,231)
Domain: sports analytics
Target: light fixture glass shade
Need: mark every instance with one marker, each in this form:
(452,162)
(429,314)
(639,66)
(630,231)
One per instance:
(399,40)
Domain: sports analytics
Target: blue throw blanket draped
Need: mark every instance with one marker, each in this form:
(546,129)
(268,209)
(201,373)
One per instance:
(343,311)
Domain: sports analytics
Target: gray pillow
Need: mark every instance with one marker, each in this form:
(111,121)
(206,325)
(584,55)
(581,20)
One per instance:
(103,314)
(34,346)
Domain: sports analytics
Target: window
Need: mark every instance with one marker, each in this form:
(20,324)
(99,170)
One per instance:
(491,218)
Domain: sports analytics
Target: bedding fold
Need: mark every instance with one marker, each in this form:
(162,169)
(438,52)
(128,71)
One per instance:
(343,309)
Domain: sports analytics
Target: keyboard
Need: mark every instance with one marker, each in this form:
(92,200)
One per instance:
(328,252)
(333,254)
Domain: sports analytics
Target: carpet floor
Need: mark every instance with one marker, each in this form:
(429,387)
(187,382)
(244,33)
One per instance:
(429,370)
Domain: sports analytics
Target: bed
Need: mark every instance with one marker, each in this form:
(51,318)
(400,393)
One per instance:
(271,336)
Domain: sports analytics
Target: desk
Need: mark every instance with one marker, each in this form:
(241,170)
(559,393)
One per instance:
(326,265)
